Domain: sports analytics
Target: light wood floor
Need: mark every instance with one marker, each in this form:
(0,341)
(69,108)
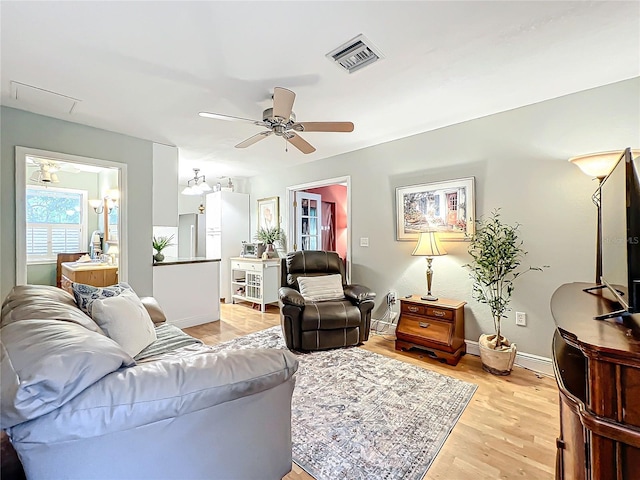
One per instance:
(507,431)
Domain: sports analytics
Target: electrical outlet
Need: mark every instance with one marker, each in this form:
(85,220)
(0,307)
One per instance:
(521,319)
(392,297)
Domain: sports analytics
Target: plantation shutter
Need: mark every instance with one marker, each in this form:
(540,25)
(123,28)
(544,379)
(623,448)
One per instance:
(56,219)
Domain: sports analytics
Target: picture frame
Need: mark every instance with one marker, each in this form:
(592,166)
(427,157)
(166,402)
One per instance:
(446,207)
(269,212)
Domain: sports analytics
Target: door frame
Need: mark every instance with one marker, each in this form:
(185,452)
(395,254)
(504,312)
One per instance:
(344,180)
(21,154)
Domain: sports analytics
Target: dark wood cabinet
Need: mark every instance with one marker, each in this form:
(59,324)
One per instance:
(434,327)
(597,368)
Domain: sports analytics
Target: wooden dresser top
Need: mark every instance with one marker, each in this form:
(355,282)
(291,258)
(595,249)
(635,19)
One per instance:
(440,303)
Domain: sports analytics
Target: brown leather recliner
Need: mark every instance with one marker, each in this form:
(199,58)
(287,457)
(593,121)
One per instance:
(325,324)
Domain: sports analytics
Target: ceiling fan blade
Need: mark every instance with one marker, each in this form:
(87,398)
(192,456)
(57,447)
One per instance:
(219,116)
(300,143)
(256,138)
(323,127)
(283,102)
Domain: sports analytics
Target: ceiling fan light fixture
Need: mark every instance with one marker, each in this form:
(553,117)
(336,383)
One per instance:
(281,121)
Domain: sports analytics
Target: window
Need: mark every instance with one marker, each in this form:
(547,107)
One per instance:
(56,222)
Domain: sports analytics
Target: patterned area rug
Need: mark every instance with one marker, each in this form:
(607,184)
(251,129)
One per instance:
(360,415)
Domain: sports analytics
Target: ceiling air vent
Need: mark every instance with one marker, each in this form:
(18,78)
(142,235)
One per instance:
(355,54)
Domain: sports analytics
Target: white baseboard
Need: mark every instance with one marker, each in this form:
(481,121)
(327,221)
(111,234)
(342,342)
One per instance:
(383,327)
(193,321)
(536,363)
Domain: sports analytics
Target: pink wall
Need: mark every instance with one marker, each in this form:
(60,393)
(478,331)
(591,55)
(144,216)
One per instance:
(338,195)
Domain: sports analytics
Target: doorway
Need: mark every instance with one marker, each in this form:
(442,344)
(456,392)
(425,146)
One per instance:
(333,212)
(66,202)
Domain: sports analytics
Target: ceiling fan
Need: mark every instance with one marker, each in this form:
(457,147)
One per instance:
(46,170)
(282,121)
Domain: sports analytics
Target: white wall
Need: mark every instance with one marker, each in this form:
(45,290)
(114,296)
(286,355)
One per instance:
(519,160)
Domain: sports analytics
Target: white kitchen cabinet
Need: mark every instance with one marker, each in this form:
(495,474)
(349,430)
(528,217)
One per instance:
(187,290)
(255,280)
(227,224)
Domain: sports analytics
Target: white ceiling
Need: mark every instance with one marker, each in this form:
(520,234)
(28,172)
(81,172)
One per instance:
(147,68)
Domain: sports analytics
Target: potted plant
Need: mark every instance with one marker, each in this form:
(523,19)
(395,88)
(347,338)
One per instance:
(269,236)
(497,255)
(159,244)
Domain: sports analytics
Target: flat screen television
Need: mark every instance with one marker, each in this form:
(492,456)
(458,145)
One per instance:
(620,204)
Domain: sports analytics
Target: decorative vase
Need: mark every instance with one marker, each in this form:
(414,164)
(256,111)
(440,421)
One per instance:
(500,361)
(270,250)
(158,257)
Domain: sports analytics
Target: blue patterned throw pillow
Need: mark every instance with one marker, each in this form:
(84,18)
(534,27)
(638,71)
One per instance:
(85,295)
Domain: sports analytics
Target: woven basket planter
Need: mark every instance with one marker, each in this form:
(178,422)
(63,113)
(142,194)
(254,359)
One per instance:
(500,361)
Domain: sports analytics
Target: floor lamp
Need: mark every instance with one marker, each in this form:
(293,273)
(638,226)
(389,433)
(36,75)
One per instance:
(429,246)
(597,165)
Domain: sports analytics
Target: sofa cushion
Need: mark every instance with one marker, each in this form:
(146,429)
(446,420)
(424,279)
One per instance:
(85,295)
(28,302)
(46,363)
(159,391)
(321,288)
(337,314)
(154,309)
(124,319)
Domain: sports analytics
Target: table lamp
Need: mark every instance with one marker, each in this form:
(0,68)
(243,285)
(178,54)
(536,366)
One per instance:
(429,246)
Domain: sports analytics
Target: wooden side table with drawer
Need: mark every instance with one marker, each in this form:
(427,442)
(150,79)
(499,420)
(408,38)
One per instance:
(434,327)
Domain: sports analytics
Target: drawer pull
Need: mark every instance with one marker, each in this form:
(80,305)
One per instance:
(412,309)
(423,324)
(438,313)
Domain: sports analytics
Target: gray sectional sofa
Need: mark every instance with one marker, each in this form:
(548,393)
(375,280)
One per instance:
(77,406)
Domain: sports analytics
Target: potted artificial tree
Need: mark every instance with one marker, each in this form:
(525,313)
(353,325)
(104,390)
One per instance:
(497,254)
(159,244)
(269,236)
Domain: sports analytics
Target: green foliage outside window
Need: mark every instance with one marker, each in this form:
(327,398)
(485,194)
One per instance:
(49,206)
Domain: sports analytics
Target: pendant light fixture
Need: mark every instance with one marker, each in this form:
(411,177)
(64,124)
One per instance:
(197,185)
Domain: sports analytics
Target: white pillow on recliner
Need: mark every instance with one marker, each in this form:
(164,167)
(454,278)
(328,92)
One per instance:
(125,320)
(321,288)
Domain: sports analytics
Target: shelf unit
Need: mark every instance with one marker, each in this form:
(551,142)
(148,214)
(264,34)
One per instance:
(255,280)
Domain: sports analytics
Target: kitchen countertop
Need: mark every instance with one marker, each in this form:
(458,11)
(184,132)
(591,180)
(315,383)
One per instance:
(184,260)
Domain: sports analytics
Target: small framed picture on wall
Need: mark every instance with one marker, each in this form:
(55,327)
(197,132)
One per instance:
(269,212)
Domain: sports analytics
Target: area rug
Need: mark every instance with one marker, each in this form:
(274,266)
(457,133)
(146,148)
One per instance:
(360,415)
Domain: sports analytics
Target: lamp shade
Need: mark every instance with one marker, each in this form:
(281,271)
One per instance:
(429,245)
(598,165)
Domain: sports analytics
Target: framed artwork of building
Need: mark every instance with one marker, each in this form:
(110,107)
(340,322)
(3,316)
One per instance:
(446,207)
